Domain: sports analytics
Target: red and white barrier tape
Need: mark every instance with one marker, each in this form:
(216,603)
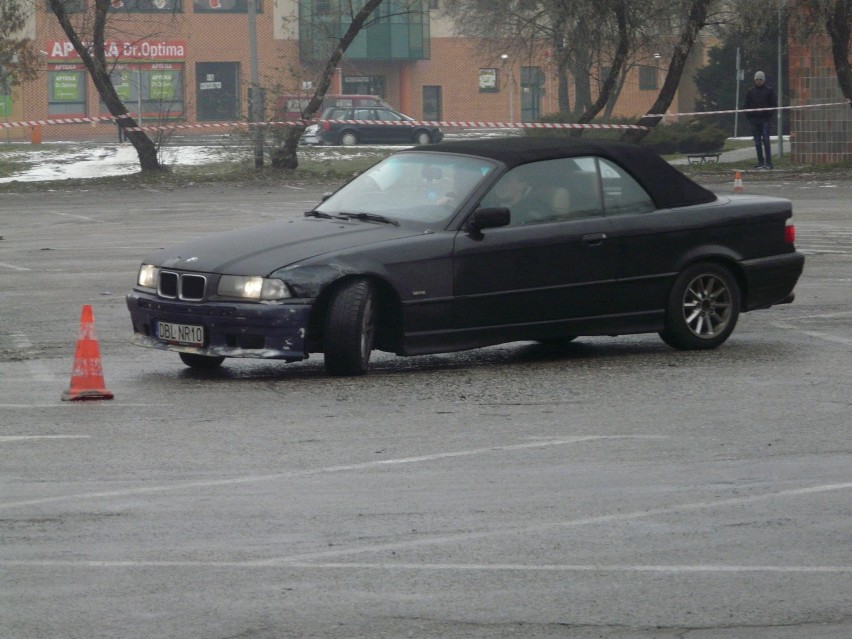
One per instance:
(219,125)
(442,123)
(783,108)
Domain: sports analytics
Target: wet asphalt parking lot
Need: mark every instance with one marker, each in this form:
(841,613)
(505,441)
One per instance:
(614,488)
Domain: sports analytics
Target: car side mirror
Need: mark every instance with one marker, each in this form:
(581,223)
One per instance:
(489,218)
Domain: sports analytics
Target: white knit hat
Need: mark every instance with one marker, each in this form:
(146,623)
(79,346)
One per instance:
(760,76)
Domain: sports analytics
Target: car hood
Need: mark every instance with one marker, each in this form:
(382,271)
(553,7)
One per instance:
(260,250)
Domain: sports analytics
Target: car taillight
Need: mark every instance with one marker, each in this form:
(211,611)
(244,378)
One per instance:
(789,232)
(326,126)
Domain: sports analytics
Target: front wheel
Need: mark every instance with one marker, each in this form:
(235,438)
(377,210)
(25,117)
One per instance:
(703,308)
(422,137)
(350,328)
(201,362)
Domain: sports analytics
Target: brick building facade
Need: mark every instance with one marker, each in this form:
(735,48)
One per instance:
(188,62)
(817,135)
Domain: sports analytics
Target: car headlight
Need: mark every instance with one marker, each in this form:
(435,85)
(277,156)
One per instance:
(147,277)
(253,288)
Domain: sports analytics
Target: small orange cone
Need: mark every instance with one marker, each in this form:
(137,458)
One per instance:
(87,376)
(738,182)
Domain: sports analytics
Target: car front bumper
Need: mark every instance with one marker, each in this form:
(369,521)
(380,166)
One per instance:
(267,331)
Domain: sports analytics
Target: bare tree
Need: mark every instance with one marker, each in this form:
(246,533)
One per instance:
(835,16)
(285,157)
(695,20)
(88,40)
(595,42)
(18,60)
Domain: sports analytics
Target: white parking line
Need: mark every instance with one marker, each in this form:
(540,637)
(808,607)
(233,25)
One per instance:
(828,337)
(73,405)
(13,267)
(17,438)
(250,479)
(253,564)
(577,567)
(78,217)
(308,560)
(558,525)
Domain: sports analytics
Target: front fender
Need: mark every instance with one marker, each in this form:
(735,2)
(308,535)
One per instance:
(308,281)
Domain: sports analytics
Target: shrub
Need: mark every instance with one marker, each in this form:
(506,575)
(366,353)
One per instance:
(698,136)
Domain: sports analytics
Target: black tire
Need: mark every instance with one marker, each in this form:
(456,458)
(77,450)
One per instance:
(350,328)
(349,138)
(557,341)
(201,362)
(703,307)
(422,137)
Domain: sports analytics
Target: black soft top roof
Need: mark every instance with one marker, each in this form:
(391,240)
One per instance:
(667,186)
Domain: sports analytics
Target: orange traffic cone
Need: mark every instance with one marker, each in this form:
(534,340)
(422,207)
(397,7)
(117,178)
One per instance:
(87,376)
(738,182)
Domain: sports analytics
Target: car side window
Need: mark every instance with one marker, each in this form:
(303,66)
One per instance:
(549,191)
(386,115)
(336,114)
(623,195)
(364,114)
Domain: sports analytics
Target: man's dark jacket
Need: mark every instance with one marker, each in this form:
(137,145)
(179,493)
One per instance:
(762,97)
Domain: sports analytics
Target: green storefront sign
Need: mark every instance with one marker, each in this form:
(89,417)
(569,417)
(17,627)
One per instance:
(121,82)
(66,87)
(162,86)
(5,105)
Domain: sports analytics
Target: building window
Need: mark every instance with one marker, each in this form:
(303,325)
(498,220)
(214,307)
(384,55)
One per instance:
(224,6)
(147,6)
(432,103)
(71,6)
(364,85)
(66,92)
(154,90)
(400,31)
(647,78)
(5,101)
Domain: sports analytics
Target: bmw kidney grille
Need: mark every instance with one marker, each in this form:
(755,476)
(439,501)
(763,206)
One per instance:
(182,286)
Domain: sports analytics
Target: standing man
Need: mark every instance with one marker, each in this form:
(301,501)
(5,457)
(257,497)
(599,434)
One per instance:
(761,96)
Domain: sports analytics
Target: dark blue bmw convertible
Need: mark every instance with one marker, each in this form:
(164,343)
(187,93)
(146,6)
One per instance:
(467,244)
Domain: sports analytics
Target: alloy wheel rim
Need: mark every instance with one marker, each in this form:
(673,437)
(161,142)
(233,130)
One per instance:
(707,306)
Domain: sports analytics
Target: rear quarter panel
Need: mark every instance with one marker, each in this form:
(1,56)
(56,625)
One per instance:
(654,247)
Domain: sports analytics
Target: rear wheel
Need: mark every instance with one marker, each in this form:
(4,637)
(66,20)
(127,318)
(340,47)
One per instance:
(422,137)
(202,362)
(348,138)
(703,308)
(350,328)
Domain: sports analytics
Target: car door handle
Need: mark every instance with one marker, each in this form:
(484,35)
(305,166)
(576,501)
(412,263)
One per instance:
(594,238)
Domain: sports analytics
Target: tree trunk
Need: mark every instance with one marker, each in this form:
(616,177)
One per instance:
(694,24)
(94,58)
(614,71)
(837,25)
(285,156)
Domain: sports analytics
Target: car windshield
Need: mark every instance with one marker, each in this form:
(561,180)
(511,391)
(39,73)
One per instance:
(417,187)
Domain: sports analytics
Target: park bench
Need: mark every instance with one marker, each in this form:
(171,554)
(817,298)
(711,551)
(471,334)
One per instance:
(703,158)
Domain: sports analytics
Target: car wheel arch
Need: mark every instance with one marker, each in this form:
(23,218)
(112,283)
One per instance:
(389,333)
